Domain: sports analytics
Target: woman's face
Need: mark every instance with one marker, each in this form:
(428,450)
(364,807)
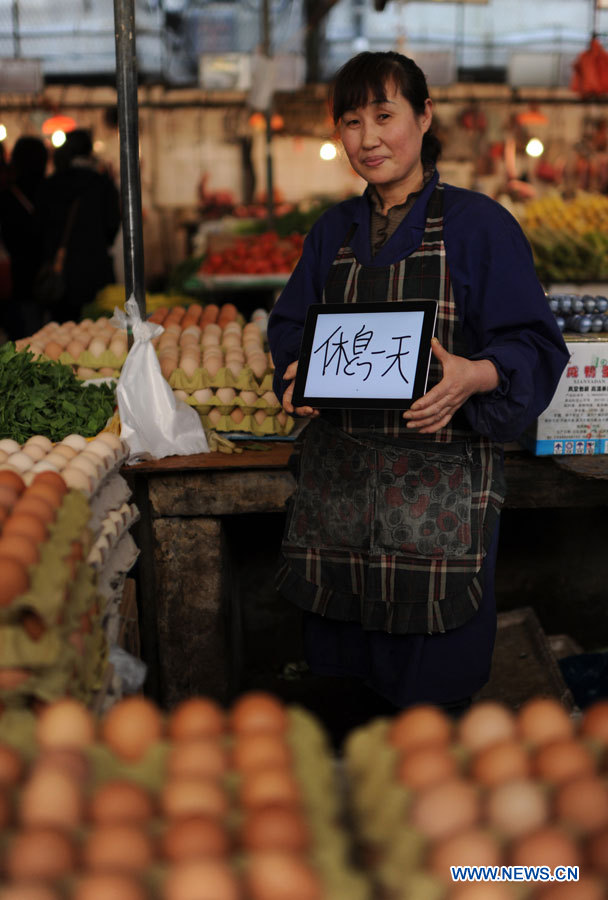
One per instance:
(383,141)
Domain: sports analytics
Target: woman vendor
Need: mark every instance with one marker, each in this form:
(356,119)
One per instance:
(391,537)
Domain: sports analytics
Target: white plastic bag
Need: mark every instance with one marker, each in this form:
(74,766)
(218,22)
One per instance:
(153,423)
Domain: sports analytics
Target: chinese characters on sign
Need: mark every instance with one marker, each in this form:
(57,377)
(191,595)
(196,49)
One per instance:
(366,355)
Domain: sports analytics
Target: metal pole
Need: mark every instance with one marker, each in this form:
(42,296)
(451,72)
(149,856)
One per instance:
(267,50)
(16,29)
(128,128)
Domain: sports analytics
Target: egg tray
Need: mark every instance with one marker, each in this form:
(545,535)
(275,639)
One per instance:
(246,380)
(51,576)
(314,771)
(112,493)
(114,526)
(106,360)
(393,849)
(270,427)
(79,673)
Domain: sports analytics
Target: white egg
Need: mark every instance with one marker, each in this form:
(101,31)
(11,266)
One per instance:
(9,445)
(34,451)
(109,438)
(3,456)
(57,460)
(44,466)
(20,461)
(75,478)
(86,465)
(104,451)
(77,441)
(39,440)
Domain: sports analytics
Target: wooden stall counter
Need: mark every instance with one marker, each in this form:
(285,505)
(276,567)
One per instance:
(188,596)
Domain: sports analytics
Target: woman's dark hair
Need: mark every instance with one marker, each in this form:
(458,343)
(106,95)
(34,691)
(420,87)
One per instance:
(367,74)
(29,158)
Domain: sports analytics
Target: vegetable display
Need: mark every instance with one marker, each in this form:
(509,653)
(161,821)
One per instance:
(40,396)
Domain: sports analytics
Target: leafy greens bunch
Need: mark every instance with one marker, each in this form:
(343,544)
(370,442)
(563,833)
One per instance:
(39,396)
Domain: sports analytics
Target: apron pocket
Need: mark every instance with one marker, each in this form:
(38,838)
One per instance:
(423,503)
(331,506)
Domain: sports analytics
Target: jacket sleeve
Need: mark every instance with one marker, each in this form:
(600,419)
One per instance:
(305,286)
(505,317)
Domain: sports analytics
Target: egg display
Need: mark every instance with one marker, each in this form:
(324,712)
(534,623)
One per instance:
(128,819)
(213,360)
(65,550)
(497,788)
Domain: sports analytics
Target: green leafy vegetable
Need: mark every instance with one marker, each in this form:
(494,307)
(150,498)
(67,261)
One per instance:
(39,396)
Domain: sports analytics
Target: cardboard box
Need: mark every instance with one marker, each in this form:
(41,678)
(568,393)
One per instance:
(576,420)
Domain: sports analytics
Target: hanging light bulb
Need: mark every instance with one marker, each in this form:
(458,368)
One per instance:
(328,150)
(3,133)
(535,147)
(58,138)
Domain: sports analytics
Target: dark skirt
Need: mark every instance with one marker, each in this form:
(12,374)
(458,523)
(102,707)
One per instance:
(410,668)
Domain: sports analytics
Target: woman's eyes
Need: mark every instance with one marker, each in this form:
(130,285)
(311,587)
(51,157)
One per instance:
(352,123)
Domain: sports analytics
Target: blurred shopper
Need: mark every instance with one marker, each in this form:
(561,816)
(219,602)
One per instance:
(18,202)
(79,208)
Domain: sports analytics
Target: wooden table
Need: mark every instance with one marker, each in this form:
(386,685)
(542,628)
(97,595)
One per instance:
(188,598)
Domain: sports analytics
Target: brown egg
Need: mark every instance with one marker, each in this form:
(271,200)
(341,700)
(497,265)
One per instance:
(195,838)
(585,887)
(445,808)
(50,797)
(14,580)
(275,828)
(548,846)
(40,854)
(119,800)
(471,847)
(257,711)
(65,723)
(12,479)
(261,750)
(268,872)
(75,348)
(425,766)
(543,719)
(11,765)
(201,879)
(53,349)
(131,727)
(597,852)
(117,848)
(106,885)
(49,479)
(198,758)
(485,723)
(265,787)
(196,717)
(71,760)
(34,451)
(559,760)
(98,346)
(6,807)
(237,415)
(21,548)
(212,365)
(517,807)
(420,725)
(187,797)
(583,803)
(189,365)
(595,722)
(501,762)
(8,496)
(36,506)
(26,524)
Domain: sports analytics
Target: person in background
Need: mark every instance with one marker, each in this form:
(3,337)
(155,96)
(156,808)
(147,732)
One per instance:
(18,203)
(79,197)
(391,536)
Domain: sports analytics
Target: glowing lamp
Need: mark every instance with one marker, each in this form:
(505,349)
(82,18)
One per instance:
(534,147)
(328,151)
(58,123)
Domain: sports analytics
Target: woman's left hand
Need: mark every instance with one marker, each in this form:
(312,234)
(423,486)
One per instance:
(461,378)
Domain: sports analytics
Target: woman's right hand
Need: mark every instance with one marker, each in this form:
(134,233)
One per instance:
(306,411)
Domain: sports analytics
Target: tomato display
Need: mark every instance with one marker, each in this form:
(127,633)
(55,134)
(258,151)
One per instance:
(261,254)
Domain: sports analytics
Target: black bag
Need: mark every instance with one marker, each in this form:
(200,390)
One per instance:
(49,282)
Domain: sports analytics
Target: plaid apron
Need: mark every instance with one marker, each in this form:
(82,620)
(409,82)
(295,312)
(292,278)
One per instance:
(387,527)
